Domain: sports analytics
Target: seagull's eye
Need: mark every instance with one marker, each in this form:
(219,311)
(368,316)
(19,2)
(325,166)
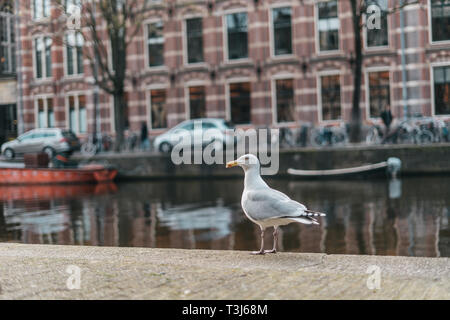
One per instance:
(246,158)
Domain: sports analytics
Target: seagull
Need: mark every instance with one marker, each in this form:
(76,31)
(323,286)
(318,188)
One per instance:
(268,207)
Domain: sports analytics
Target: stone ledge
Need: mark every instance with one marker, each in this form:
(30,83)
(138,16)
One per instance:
(39,272)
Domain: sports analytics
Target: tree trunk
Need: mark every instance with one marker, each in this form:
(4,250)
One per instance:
(119,118)
(355,122)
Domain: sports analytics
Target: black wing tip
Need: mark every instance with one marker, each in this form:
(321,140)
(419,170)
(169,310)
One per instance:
(315,213)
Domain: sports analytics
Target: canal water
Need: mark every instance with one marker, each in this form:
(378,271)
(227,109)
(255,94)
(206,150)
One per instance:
(407,217)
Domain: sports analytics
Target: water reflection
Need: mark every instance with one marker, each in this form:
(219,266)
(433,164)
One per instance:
(400,217)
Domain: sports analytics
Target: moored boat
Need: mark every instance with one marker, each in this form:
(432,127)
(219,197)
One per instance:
(86,174)
(391,166)
(54,191)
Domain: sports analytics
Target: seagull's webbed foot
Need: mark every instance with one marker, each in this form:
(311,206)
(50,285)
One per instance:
(271,251)
(258,252)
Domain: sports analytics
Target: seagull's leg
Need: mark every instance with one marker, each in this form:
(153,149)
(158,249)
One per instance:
(275,240)
(261,251)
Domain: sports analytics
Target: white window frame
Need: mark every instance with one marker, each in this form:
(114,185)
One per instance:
(375,48)
(274,99)
(43,60)
(367,87)
(44,17)
(44,97)
(76,67)
(433,102)
(272,30)
(148,99)
(316,29)
(319,94)
(76,95)
(430,28)
(147,53)
(227,97)
(185,42)
(225,36)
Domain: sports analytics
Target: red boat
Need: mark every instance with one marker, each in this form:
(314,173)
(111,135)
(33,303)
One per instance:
(86,174)
(54,191)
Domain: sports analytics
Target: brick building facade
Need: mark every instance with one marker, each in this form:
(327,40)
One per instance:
(256,63)
(8,83)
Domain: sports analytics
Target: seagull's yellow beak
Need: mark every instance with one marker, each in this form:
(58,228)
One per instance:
(232,164)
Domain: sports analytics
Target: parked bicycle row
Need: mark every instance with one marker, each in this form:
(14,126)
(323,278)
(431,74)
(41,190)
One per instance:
(417,130)
(412,131)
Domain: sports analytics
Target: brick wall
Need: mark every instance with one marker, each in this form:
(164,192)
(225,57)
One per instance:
(261,68)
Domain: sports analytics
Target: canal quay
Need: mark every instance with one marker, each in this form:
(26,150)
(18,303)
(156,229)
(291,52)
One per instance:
(432,159)
(47,272)
(185,236)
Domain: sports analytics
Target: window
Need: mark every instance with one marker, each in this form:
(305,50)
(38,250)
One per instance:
(197,103)
(208,125)
(155,44)
(7,6)
(8,122)
(378,37)
(41,9)
(77,113)
(440,20)
(74,53)
(331,97)
(158,109)
(282,31)
(7,40)
(237,35)
(41,113)
(45,115)
(285,100)
(70,5)
(442,90)
(194,38)
(188,126)
(43,59)
(82,114)
(379,92)
(50,114)
(240,102)
(328,25)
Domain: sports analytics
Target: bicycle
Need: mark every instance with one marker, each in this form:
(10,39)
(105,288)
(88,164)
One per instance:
(374,135)
(96,143)
(439,130)
(131,142)
(330,135)
(287,137)
(409,132)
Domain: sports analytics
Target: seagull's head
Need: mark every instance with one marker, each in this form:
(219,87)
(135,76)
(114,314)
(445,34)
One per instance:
(246,162)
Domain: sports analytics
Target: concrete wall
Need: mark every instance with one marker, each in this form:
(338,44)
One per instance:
(433,159)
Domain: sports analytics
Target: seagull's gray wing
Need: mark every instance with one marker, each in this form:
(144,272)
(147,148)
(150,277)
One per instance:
(262,204)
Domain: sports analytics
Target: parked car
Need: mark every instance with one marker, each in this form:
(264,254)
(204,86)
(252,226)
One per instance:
(195,128)
(49,140)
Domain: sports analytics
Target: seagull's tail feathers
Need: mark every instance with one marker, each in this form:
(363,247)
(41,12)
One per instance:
(311,213)
(305,220)
(306,217)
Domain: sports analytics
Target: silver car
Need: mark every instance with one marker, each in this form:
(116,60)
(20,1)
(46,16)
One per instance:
(192,132)
(49,140)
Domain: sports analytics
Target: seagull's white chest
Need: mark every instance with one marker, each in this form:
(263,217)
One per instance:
(244,199)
